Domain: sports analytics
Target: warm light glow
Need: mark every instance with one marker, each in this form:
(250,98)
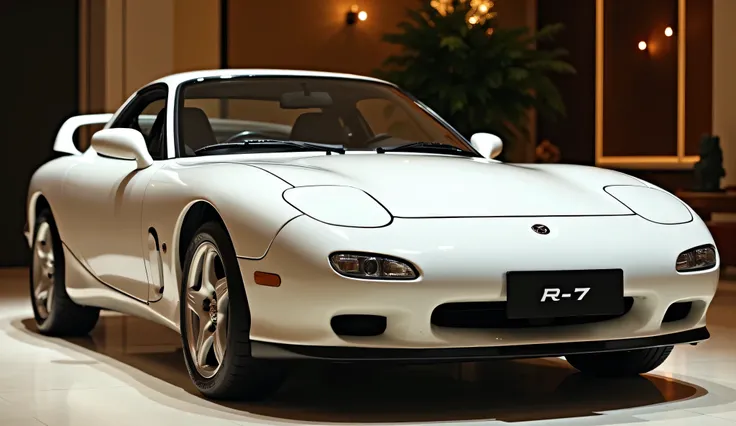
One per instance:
(668,31)
(363,15)
(642,45)
(480,10)
(354,8)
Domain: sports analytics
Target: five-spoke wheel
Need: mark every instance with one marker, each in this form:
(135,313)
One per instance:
(215,322)
(207,310)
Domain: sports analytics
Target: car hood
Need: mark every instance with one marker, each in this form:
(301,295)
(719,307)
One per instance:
(414,186)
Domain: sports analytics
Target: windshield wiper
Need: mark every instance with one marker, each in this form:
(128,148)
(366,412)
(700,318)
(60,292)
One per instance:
(427,147)
(253,143)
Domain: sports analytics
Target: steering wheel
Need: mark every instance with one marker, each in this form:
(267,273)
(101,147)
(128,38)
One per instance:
(247,134)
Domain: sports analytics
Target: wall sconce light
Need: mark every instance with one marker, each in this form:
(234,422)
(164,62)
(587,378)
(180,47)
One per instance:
(668,31)
(642,45)
(355,14)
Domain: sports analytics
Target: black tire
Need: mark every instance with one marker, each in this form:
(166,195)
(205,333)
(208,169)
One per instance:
(239,377)
(64,318)
(620,364)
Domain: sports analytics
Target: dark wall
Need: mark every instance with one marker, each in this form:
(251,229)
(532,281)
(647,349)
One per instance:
(575,133)
(698,73)
(639,87)
(670,180)
(39,44)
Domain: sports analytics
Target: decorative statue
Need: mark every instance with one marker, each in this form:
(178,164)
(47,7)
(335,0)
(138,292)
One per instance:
(547,152)
(709,170)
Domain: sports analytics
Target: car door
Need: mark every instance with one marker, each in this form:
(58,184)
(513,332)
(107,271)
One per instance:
(109,193)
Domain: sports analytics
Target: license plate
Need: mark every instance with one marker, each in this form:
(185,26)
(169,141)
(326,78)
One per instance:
(559,294)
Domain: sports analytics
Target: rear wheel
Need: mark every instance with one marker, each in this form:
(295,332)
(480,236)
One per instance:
(215,322)
(620,364)
(55,313)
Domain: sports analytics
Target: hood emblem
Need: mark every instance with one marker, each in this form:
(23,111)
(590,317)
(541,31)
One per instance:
(540,229)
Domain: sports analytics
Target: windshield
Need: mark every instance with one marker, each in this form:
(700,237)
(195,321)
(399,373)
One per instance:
(242,113)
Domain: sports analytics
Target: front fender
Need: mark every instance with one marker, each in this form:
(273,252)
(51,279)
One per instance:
(248,199)
(46,182)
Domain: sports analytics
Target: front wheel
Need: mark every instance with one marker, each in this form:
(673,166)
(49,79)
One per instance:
(620,364)
(215,322)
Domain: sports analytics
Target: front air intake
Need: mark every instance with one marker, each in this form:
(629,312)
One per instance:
(358,325)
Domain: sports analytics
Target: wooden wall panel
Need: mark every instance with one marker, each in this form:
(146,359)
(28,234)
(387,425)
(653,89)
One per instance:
(699,73)
(575,133)
(639,87)
(313,35)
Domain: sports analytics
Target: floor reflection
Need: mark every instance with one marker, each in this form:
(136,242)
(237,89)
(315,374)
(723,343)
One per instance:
(510,391)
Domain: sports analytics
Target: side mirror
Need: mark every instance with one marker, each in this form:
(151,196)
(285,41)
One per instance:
(488,145)
(123,144)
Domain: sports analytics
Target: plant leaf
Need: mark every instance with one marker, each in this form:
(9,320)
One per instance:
(480,77)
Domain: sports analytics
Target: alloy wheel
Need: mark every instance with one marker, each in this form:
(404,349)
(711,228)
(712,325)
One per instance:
(43,270)
(207,310)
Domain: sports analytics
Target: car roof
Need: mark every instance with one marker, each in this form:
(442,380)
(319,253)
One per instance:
(177,79)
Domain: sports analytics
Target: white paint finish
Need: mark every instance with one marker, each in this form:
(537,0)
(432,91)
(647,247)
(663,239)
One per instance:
(252,209)
(99,218)
(338,205)
(653,204)
(724,85)
(64,142)
(465,260)
(129,372)
(104,208)
(488,145)
(177,79)
(122,144)
(109,234)
(446,186)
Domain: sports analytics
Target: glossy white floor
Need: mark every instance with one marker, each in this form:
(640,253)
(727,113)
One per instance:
(130,372)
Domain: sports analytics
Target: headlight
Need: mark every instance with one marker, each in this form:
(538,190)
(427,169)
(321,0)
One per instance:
(696,259)
(372,266)
(338,205)
(653,205)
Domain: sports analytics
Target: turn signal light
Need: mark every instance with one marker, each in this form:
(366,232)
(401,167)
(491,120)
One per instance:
(696,259)
(264,278)
(372,266)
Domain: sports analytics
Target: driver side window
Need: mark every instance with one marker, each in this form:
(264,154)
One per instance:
(147,114)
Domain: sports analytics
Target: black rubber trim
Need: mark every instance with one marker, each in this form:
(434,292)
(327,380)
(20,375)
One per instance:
(326,353)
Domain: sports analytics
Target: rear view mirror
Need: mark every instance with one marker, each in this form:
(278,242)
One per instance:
(305,100)
(488,145)
(123,144)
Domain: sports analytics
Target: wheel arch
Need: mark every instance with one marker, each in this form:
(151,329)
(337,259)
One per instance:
(37,203)
(195,215)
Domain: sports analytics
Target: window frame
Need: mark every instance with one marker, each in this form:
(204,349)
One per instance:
(133,109)
(179,104)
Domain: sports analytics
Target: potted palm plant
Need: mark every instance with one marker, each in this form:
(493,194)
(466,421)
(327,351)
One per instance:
(479,76)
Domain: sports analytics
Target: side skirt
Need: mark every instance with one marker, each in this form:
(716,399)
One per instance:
(85,289)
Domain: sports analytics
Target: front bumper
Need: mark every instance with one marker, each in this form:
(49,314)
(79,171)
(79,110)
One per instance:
(465,260)
(354,354)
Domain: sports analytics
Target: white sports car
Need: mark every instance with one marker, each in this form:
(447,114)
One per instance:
(280,215)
